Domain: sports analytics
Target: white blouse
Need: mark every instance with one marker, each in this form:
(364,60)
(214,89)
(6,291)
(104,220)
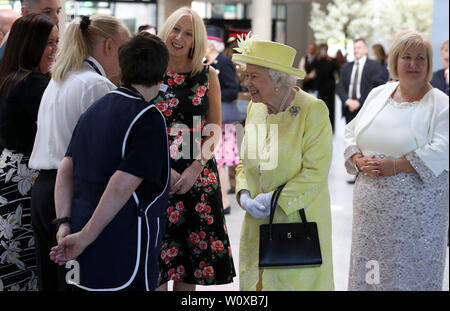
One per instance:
(61,106)
(390,132)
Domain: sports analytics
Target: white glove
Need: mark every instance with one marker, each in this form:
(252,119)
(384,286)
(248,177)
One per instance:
(254,208)
(264,199)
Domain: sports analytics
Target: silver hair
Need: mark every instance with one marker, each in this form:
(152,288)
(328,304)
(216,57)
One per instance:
(219,46)
(281,78)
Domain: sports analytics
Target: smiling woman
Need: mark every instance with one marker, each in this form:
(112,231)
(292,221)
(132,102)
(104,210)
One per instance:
(191,98)
(48,56)
(301,145)
(185,37)
(400,172)
(24,76)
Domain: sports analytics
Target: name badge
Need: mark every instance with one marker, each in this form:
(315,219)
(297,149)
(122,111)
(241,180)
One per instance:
(163,87)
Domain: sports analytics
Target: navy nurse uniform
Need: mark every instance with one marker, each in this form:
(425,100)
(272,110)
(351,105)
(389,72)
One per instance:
(121,131)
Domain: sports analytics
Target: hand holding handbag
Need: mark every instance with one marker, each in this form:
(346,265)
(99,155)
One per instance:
(288,244)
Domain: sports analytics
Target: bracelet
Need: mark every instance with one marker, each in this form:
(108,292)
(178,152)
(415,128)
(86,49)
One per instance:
(354,162)
(395,171)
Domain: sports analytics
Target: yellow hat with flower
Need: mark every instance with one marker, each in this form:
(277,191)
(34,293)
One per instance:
(267,54)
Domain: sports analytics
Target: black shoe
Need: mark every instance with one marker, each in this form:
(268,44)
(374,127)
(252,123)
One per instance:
(231,191)
(227,210)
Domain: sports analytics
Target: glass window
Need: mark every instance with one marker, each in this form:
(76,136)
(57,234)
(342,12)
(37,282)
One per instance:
(132,13)
(281,12)
(280,32)
(274,11)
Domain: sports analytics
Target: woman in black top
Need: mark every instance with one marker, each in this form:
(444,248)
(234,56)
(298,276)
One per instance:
(24,76)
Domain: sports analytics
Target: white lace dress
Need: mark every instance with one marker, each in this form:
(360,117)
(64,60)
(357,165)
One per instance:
(400,222)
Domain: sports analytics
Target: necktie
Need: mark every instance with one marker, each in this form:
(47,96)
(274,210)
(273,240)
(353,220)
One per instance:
(355,82)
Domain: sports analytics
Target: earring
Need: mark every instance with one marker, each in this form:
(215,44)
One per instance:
(191,53)
(276,89)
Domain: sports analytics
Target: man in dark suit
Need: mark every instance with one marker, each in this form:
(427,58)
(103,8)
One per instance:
(356,80)
(440,77)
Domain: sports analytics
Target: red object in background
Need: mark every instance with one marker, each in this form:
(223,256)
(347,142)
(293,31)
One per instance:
(234,32)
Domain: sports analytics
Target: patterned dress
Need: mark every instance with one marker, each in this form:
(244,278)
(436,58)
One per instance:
(18,115)
(196,248)
(17,250)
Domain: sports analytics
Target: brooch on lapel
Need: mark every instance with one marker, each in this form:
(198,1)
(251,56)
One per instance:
(294,110)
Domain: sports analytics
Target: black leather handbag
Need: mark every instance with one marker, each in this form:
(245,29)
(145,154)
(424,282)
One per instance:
(288,244)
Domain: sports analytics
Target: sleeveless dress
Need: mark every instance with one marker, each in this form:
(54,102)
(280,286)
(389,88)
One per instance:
(196,247)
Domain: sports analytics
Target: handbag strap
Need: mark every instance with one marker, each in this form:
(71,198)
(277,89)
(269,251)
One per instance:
(273,205)
(274,201)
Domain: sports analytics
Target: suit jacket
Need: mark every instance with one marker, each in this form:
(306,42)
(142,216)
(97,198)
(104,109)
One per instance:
(369,79)
(438,81)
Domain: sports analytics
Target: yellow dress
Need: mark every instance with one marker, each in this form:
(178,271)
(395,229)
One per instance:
(304,145)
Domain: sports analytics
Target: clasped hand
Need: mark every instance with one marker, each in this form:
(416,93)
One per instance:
(375,167)
(69,247)
(182,183)
(259,207)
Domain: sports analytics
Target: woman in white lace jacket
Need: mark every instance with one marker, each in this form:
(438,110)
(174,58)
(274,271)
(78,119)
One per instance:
(399,144)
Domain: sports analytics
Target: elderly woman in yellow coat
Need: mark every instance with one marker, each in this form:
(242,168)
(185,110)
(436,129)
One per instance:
(288,140)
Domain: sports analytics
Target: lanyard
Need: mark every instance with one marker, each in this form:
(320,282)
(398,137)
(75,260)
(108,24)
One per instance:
(94,66)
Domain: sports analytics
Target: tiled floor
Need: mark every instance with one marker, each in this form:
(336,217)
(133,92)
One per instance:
(341,209)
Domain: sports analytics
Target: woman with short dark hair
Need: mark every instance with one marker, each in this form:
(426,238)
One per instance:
(24,75)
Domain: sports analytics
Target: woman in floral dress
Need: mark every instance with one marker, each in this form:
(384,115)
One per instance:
(196,248)
(23,79)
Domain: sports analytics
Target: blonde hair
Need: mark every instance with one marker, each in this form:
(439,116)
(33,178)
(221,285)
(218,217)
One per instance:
(404,40)
(199,35)
(79,44)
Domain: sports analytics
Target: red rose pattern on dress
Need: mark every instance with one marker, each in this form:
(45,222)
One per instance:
(196,247)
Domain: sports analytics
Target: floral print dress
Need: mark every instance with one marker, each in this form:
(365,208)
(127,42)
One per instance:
(17,249)
(196,248)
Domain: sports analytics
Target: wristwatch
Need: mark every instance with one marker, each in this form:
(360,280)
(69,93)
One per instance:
(202,162)
(60,221)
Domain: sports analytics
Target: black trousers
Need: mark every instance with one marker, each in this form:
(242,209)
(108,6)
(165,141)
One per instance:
(327,95)
(51,276)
